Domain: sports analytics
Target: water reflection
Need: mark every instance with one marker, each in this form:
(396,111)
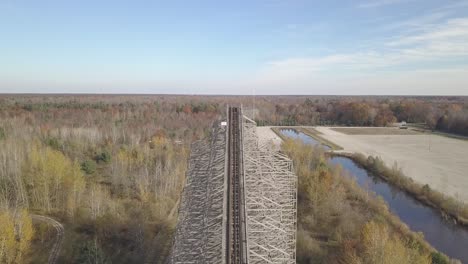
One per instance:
(292,133)
(444,235)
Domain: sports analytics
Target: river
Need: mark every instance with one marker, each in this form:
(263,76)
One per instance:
(444,235)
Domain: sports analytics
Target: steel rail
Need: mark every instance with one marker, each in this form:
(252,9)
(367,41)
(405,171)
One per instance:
(236,248)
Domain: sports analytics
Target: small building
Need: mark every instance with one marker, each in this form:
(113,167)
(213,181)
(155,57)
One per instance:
(223,123)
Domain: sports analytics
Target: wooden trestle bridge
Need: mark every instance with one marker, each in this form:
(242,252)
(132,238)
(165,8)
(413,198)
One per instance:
(239,203)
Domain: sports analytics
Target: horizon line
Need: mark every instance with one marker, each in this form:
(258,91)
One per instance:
(248,95)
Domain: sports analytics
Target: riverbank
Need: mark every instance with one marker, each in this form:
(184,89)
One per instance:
(440,162)
(311,132)
(421,219)
(447,206)
(404,206)
(335,212)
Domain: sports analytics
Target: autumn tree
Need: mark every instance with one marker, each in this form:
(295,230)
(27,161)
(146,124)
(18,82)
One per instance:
(16,233)
(7,238)
(54,181)
(25,233)
(379,245)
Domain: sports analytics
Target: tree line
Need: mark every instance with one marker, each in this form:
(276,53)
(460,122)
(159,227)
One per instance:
(432,113)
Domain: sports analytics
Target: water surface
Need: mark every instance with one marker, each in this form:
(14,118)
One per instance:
(292,133)
(442,234)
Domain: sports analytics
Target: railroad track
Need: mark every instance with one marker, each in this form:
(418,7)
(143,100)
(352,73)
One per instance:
(235,231)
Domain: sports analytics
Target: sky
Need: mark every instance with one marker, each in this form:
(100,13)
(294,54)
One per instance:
(346,47)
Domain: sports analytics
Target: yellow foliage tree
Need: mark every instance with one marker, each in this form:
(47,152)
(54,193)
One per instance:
(25,233)
(75,183)
(55,182)
(380,246)
(7,238)
(16,234)
(130,159)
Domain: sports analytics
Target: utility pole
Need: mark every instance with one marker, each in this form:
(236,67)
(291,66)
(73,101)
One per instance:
(253,109)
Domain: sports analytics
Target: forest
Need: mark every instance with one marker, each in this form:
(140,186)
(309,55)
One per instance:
(445,114)
(110,171)
(111,168)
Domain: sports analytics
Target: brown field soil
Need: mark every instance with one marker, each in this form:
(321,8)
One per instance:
(375,131)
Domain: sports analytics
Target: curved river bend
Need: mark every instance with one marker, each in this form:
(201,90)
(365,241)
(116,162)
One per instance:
(443,235)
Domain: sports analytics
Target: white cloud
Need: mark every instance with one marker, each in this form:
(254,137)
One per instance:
(431,18)
(378,3)
(407,64)
(423,82)
(418,23)
(452,30)
(443,42)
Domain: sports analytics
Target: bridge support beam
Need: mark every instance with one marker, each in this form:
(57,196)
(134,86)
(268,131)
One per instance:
(239,204)
(271,201)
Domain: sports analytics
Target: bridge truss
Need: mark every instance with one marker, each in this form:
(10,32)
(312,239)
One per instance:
(271,201)
(200,228)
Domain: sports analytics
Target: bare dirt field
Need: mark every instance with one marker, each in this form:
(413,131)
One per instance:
(375,131)
(266,137)
(438,161)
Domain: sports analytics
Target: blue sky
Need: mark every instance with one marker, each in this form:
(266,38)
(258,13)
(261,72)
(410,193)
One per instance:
(235,47)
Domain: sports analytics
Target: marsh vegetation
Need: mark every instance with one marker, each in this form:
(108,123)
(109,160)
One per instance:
(339,222)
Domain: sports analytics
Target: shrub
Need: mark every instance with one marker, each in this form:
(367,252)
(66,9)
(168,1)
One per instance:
(91,252)
(308,249)
(2,133)
(104,156)
(88,166)
(438,258)
(54,143)
(426,189)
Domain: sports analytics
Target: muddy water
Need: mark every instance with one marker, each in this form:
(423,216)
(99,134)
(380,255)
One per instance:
(442,234)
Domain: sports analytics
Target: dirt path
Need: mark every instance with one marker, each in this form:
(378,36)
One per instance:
(54,253)
(268,139)
(174,209)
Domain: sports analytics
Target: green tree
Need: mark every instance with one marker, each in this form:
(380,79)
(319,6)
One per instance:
(438,258)
(91,253)
(88,166)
